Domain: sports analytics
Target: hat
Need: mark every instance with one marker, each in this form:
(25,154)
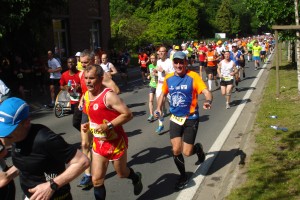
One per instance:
(78,54)
(12,112)
(234,45)
(179,55)
(177,47)
(219,42)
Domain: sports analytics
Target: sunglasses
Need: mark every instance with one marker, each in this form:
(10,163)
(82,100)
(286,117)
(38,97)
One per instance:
(178,61)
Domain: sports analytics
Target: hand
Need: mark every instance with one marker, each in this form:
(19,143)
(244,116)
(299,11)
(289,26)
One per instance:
(102,128)
(85,127)
(157,113)
(207,105)
(42,191)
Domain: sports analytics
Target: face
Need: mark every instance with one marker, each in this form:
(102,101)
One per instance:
(104,58)
(227,55)
(180,66)
(71,63)
(152,59)
(50,55)
(234,48)
(92,81)
(162,52)
(85,61)
(18,134)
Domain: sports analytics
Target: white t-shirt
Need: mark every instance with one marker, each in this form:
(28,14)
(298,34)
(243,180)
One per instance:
(226,68)
(54,64)
(167,66)
(3,89)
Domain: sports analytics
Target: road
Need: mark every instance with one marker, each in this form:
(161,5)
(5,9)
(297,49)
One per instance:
(150,153)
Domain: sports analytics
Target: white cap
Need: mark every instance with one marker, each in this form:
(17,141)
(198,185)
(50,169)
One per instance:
(77,54)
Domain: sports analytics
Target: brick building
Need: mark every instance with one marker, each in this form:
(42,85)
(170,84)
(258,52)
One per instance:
(83,25)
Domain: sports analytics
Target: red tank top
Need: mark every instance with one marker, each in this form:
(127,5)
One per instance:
(99,113)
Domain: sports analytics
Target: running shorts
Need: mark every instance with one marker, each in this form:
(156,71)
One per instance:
(188,130)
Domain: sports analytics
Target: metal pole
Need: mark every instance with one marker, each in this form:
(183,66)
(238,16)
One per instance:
(277,64)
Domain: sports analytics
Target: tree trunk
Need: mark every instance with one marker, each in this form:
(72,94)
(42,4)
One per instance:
(297,45)
(289,53)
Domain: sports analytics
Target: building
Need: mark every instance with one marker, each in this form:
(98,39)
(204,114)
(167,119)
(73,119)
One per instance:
(83,25)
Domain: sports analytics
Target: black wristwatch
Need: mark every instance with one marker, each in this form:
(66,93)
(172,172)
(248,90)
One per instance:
(109,125)
(53,185)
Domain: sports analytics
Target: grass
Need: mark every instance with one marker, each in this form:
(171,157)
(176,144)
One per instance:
(274,167)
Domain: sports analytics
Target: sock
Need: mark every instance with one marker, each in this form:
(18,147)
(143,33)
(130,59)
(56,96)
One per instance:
(209,84)
(100,192)
(160,123)
(197,150)
(133,176)
(179,162)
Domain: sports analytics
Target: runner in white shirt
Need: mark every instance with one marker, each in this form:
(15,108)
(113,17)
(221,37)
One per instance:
(226,70)
(107,67)
(164,67)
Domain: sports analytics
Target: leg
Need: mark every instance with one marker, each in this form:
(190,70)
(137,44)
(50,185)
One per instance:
(99,168)
(151,97)
(52,93)
(124,172)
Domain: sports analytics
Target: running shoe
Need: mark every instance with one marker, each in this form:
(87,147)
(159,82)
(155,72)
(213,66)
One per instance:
(237,89)
(138,186)
(255,68)
(85,182)
(150,118)
(227,106)
(244,75)
(200,154)
(159,129)
(181,183)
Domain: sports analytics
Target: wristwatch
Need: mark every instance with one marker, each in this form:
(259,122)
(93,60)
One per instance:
(53,185)
(109,125)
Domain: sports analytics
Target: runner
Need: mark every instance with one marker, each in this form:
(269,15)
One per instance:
(226,71)
(256,54)
(211,69)
(143,61)
(202,50)
(153,83)
(236,56)
(184,86)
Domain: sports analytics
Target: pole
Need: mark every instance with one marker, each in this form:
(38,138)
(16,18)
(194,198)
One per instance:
(277,64)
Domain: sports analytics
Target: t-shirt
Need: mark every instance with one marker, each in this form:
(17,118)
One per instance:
(256,50)
(106,67)
(75,80)
(143,58)
(153,78)
(167,66)
(54,64)
(184,93)
(235,56)
(41,156)
(202,53)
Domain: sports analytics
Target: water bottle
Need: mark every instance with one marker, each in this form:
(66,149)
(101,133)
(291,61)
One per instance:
(279,128)
(273,117)
(69,83)
(284,129)
(275,127)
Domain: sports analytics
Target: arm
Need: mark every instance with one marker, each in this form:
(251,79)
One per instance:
(208,99)
(6,177)
(76,166)
(109,83)
(113,70)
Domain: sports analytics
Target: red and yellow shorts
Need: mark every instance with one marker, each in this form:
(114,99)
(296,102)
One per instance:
(110,149)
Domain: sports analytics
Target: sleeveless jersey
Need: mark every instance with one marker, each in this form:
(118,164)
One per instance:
(110,145)
(211,58)
(226,69)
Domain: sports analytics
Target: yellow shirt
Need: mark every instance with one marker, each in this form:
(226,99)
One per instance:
(79,66)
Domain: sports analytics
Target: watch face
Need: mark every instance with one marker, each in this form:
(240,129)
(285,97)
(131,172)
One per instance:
(53,185)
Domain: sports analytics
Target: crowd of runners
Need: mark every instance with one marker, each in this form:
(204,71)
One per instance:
(99,113)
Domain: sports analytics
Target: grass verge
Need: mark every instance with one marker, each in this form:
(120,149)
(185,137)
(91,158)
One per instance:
(274,167)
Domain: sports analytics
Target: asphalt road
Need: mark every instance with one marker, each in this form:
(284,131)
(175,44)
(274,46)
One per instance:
(148,152)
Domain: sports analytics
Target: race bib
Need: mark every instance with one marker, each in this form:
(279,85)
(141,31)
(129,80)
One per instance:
(178,120)
(226,78)
(210,58)
(96,133)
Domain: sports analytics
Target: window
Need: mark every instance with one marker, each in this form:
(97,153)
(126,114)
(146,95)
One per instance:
(94,35)
(60,38)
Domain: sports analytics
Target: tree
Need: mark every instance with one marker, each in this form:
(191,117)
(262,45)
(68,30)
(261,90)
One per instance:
(223,20)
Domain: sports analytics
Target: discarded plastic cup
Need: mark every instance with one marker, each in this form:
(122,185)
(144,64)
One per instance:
(273,117)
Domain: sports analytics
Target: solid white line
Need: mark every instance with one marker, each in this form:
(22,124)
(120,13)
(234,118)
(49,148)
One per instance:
(202,169)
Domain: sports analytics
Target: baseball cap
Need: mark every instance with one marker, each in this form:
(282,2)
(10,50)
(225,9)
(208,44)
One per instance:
(234,45)
(78,54)
(177,47)
(12,112)
(179,55)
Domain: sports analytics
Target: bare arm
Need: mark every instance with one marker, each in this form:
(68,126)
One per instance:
(76,166)
(208,99)
(109,83)
(6,177)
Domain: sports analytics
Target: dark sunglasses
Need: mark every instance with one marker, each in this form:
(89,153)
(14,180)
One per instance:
(178,61)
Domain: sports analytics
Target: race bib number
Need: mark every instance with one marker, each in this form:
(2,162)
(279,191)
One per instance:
(178,120)
(226,78)
(210,58)
(96,133)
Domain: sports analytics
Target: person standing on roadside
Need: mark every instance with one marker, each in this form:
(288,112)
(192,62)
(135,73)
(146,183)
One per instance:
(184,86)
(39,154)
(54,68)
(107,113)
(226,70)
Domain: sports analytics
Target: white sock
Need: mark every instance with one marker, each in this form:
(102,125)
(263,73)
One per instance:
(209,84)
